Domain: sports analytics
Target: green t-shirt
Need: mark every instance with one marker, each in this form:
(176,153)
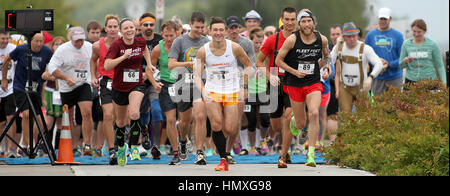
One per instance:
(427,60)
(166,74)
(257,83)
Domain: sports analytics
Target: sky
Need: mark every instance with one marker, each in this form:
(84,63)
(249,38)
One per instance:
(434,12)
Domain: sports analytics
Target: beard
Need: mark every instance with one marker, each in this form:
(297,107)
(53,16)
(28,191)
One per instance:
(148,32)
(307,31)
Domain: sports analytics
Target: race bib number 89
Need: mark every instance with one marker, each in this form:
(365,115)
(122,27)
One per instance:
(307,67)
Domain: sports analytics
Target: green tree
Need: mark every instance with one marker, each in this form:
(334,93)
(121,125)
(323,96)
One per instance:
(62,12)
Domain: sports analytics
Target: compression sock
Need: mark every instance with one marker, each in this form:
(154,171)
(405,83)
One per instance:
(135,130)
(120,136)
(221,142)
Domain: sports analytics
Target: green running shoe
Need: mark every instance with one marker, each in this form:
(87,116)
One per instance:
(310,161)
(294,130)
(122,155)
(135,153)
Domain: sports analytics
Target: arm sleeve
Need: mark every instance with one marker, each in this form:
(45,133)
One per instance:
(373,59)
(403,54)
(438,63)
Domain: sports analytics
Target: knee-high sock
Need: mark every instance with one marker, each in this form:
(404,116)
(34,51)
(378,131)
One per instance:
(120,136)
(135,130)
(221,142)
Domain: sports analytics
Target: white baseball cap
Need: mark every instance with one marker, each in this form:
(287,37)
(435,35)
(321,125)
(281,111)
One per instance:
(77,33)
(252,15)
(384,13)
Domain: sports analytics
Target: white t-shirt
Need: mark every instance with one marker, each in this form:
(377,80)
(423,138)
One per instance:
(350,72)
(72,62)
(11,68)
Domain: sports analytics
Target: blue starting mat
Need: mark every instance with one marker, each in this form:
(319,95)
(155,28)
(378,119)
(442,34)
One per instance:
(247,159)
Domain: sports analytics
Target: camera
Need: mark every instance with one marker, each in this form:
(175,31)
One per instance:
(31,20)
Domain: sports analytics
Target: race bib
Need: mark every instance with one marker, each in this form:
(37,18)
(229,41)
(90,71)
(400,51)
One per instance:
(57,98)
(34,86)
(157,76)
(281,70)
(80,75)
(188,78)
(221,77)
(307,67)
(109,85)
(247,108)
(171,90)
(131,75)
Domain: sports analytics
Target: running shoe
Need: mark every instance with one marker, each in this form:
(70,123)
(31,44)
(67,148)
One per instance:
(253,151)
(200,159)
(113,158)
(223,165)
(76,151)
(264,148)
(303,136)
(176,159)
(288,158)
(122,155)
(183,153)
(162,149)
(281,163)
(244,152)
(87,150)
(209,152)
(310,161)
(236,147)
(156,154)
(230,159)
(135,153)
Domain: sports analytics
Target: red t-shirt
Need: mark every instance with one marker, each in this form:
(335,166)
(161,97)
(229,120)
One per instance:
(269,47)
(101,60)
(128,74)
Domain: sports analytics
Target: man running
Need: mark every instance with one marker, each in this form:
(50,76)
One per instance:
(281,118)
(103,78)
(182,56)
(70,64)
(299,56)
(222,91)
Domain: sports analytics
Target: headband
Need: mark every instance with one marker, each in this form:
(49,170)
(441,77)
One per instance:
(148,19)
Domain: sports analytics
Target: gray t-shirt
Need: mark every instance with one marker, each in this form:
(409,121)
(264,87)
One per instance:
(247,45)
(185,49)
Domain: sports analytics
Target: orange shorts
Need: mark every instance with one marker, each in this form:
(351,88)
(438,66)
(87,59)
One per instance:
(224,99)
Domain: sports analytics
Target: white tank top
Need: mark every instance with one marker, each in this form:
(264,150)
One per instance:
(222,73)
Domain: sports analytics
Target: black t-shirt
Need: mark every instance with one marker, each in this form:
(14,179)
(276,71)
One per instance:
(150,45)
(304,57)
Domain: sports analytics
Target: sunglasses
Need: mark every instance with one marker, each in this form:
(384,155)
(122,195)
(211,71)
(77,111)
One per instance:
(148,24)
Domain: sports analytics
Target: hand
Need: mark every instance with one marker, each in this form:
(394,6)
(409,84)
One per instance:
(340,40)
(127,53)
(158,86)
(274,80)
(385,67)
(325,74)
(300,74)
(337,93)
(205,95)
(94,82)
(408,59)
(70,81)
(367,84)
(152,68)
(5,85)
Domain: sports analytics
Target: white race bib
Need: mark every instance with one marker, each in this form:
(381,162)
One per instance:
(247,108)
(171,90)
(80,75)
(57,98)
(188,78)
(131,75)
(109,85)
(307,67)
(281,70)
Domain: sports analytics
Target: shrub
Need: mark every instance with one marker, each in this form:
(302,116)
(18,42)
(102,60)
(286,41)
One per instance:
(400,133)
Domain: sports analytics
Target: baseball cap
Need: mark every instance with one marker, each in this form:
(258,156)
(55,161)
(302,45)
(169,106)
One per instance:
(232,20)
(384,13)
(252,15)
(350,29)
(77,33)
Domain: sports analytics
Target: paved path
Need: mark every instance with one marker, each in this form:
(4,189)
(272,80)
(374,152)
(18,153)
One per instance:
(181,170)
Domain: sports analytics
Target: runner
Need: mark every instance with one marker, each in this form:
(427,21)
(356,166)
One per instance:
(99,51)
(168,77)
(70,64)
(125,57)
(41,55)
(148,24)
(352,55)
(281,118)
(299,56)
(246,44)
(7,102)
(182,56)
(252,20)
(222,91)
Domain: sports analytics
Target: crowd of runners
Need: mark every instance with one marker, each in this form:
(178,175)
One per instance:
(132,92)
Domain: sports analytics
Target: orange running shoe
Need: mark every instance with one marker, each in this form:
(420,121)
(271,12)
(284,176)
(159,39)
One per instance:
(223,165)
(281,163)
